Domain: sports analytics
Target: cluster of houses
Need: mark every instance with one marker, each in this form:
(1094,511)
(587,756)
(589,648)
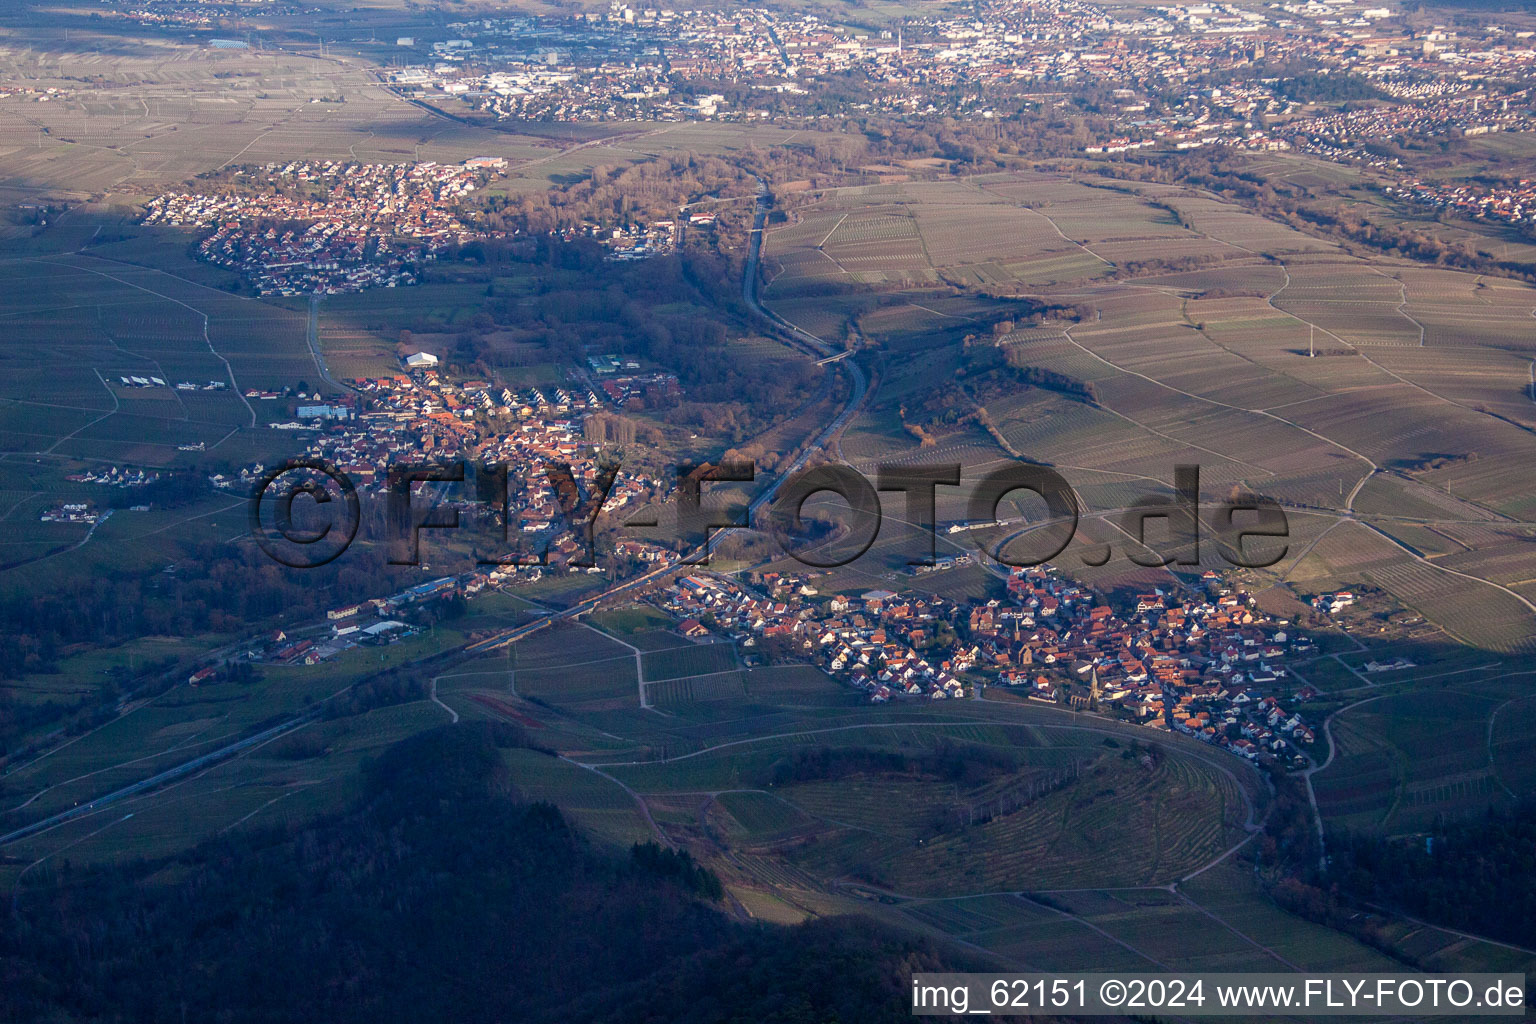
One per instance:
(877,644)
(39,94)
(426,393)
(73,512)
(422,417)
(1256,728)
(203,14)
(325,258)
(1333,602)
(1509,203)
(1203,661)
(535,510)
(115,476)
(1431,115)
(330,226)
(630,63)
(639,241)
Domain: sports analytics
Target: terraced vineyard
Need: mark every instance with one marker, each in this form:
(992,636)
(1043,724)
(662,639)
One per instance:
(758,816)
(1122,822)
(1405,761)
(728,685)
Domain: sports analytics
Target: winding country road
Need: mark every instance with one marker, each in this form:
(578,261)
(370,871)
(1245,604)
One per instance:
(858,382)
(858,390)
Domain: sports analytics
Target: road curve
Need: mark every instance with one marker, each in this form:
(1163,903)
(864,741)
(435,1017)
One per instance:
(858,383)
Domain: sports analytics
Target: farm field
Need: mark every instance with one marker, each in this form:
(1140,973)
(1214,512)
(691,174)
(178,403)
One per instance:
(1405,761)
(1413,422)
(866,824)
(693,660)
(134,322)
(632,620)
(283,781)
(1062,777)
(596,803)
(803,845)
(77,324)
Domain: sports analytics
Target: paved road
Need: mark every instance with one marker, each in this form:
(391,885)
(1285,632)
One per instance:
(858,390)
(454,715)
(858,383)
(312,337)
(169,775)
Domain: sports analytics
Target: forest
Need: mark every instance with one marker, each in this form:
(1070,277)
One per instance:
(645,192)
(986,374)
(1308,86)
(563,300)
(1477,874)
